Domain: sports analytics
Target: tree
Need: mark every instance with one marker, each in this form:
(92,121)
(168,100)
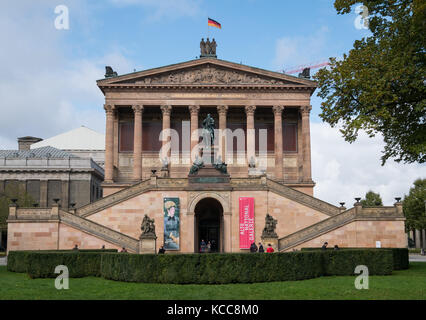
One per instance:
(13,191)
(372,200)
(414,206)
(379,86)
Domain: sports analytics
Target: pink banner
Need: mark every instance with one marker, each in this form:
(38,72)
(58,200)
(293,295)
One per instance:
(246,222)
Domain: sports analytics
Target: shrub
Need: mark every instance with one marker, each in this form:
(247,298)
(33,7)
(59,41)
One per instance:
(400,255)
(40,264)
(212,268)
(344,262)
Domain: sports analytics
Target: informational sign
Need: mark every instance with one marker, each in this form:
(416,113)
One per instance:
(246,222)
(378,244)
(171,223)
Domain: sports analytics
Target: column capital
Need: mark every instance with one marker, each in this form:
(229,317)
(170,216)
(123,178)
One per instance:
(250,110)
(166,109)
(109,108)
(194,109)
(137,108)
(277,110)
(222,109)
(305,110)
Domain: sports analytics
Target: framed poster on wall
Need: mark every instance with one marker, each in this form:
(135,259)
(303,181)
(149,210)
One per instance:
(246,222)
(171,223)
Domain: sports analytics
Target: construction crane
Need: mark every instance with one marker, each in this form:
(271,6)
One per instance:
(306,68)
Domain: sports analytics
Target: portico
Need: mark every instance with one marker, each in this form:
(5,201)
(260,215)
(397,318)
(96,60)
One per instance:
(160,109)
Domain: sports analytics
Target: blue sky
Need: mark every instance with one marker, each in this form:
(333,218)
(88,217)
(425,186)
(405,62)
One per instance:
(48,83)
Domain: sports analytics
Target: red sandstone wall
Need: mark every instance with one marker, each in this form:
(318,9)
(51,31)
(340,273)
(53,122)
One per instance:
(363,234)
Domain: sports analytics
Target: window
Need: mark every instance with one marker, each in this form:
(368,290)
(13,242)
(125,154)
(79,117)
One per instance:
(290,137)
(126,131)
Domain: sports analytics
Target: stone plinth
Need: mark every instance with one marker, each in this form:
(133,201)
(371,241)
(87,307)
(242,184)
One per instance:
(147,244)
(270,240)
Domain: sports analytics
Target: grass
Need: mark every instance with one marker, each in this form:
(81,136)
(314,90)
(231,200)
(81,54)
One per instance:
(406,284)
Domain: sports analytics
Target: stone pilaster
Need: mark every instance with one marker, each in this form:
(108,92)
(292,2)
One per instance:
(306,146)
(250,132)
(65,193)
(137,143)
(278,133)
(109,143)
(43,193)
(222,111)
(194,111)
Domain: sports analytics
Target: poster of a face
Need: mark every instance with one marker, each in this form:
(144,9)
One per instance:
(171,223)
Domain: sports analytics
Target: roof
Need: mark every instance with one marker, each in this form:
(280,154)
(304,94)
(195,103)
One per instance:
(39,153)
(269,79)
(81,138)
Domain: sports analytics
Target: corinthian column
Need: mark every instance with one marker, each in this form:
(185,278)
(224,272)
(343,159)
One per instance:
(194,110)
(109,143)
(278,133)
(166,110)
(222,111)
(137,143)
(306,147)
(250,132)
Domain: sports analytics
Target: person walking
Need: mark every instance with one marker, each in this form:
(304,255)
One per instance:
(261,250)
(202,246)
(270,249)
(161,250)
(324,246)
(253,248)
(75,248)
(209,247)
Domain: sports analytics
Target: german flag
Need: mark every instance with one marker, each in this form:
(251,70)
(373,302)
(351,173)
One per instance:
(213,23)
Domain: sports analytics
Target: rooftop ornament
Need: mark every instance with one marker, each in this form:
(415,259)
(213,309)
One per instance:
(109,73)
(357,200)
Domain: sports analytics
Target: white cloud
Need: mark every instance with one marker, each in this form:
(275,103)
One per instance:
(344,171)
(291,51)
(43,91)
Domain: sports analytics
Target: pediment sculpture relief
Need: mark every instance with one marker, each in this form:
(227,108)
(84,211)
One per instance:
(209,75)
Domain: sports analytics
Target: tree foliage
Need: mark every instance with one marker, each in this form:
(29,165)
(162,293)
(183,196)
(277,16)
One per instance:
(13,191)
(372,199)
(414,206)
(379,86)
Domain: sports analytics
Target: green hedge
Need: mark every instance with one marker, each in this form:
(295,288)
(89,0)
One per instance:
(400,255)
(42,264)
(202,268)
(212,268)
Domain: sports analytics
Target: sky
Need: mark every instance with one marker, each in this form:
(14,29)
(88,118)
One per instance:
(48,83)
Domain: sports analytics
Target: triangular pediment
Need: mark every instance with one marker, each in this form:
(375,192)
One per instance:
(207,71)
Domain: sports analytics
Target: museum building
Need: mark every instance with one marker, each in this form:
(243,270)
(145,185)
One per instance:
(252,183)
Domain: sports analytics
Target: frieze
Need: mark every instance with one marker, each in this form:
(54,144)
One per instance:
(210,75)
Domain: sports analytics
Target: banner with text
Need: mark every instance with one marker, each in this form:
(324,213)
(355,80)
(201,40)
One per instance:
(246,222)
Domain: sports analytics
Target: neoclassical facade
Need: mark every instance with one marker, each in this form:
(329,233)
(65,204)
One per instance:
(154,130)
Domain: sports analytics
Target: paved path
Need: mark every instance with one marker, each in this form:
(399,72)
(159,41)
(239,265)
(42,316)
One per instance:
(3,261)
(417,258)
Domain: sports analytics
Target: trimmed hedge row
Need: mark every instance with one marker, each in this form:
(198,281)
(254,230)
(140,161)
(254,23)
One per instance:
(212,268)
(40,264)
(202,268)
(400,255)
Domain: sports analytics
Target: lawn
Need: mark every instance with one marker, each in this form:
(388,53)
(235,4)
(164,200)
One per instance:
(406,284)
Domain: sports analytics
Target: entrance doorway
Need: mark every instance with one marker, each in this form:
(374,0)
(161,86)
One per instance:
(209,224)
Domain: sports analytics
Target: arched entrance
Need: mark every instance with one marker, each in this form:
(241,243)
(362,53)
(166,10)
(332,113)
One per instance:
(209,224)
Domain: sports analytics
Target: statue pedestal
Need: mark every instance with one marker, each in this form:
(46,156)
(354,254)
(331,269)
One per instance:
(270,240)
(147,244)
